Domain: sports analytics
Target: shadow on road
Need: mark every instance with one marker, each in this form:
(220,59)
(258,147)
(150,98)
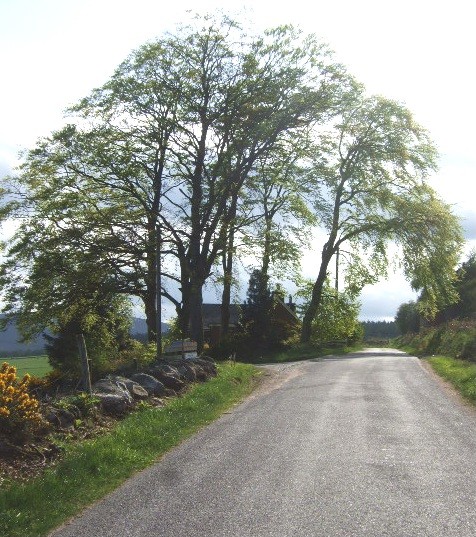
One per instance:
(366,353)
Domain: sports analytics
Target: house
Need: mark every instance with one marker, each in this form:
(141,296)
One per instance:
(284,312)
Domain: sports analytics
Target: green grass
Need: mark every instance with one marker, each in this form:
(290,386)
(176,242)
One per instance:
(93,468)
(460,373)
(305,351)
(37,366)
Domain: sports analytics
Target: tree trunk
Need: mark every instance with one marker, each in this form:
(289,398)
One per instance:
(158,291)
(149,300)
(183,308)
(226,294)
(228,269)
(315,302)
(266,247)
(196,318)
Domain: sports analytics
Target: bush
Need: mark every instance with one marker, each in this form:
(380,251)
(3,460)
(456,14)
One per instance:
(86,404)
(19,411)
(456,338)
(136,356)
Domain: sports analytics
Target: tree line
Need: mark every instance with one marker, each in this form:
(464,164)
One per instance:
(410,320)
(210,145)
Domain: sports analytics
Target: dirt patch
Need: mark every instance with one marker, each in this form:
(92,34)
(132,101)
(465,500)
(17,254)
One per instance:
(20,463)
(275,376)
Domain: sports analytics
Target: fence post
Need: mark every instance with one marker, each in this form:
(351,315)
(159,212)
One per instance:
(83,354)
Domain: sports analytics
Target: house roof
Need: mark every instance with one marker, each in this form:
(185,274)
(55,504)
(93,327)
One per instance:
(212,314)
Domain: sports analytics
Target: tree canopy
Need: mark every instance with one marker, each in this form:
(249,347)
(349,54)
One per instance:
(371,169)
(211,134)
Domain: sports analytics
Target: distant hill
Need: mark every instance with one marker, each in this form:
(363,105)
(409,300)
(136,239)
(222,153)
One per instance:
(139,328)
(10,346)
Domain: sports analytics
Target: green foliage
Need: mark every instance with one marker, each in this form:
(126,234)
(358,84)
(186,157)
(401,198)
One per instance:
(336,318)
(408,318)
(106,332)
(278,191)
(380,330)
(135,355)
(174,333)
(456,339)
(264,328)
(170,139)
(209,134)
(465,286)
(256,318)
(85,403)
(371,167)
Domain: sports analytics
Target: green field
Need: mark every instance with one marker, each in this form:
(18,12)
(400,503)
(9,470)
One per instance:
(34,365)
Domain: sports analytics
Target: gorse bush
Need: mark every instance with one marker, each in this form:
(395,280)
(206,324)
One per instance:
(19,411)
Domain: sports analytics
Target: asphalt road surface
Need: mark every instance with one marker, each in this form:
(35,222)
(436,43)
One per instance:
(368,445)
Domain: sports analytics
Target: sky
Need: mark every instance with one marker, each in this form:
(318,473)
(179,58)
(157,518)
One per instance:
(418,52)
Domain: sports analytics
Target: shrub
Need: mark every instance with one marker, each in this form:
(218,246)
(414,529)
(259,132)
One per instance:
(457,339)
(19,411)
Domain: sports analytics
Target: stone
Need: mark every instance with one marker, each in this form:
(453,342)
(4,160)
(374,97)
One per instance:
(164,368)
(114,396)
(134,388)
(207,366)
(110,386)
(206,358)
(174,382)
(114,404)
(138,392)
(61,418)
(149,383)
(187,372)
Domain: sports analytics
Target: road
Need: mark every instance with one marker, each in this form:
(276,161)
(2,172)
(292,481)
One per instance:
(368,445)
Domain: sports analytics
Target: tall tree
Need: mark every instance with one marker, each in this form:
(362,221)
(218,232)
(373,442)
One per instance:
(407,318)
(337,315)
(257,309)
(371,169)
(170,140)
(281,191)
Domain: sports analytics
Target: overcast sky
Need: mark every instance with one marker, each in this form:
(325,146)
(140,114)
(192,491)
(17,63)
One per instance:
(419,52)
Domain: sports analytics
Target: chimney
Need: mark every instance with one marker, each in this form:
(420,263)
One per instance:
(291,305)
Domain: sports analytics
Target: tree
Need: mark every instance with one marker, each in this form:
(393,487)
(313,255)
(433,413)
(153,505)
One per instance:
(371,169)
(465,307)
(272,217)
(257,309)
(65,295)
(380,329)
(263,325)
(106,333)
(280,191)
(408,318)
(337,316)
(169,141)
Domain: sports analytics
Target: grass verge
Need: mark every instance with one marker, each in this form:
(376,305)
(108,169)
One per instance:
(460,373)
(91,469)
(306,351)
